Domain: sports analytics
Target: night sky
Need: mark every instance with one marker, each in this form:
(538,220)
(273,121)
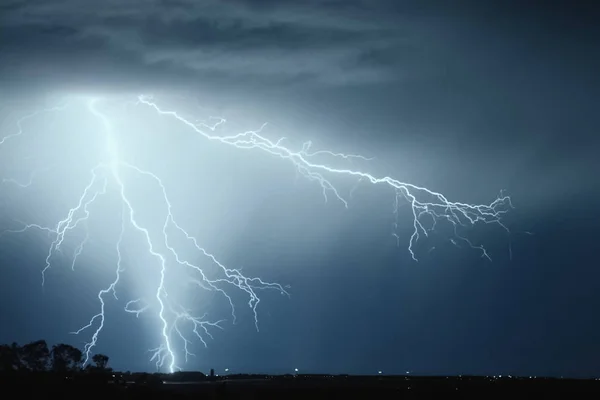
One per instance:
(465,98)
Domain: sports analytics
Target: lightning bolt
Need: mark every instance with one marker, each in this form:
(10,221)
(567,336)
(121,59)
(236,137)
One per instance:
(423,202)
(177,324)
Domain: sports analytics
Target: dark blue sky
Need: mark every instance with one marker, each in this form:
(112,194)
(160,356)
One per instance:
(467,99)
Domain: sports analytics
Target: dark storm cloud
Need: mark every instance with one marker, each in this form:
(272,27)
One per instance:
(180,40)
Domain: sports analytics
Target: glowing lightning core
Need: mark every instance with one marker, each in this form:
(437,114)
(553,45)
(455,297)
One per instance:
(107,174)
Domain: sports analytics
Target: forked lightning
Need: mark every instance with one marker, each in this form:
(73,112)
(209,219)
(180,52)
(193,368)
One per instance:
(179,325)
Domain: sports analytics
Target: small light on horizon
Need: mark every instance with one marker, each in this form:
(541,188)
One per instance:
(295,369)
(226,369)
(379,372)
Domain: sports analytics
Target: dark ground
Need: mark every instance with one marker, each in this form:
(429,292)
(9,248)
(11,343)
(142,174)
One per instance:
(341,387)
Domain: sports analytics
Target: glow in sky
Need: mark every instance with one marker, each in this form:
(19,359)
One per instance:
(128,208)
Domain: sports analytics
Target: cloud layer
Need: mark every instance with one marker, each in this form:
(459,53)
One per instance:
(179,40)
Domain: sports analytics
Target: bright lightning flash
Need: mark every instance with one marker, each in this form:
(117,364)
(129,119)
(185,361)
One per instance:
(178,325)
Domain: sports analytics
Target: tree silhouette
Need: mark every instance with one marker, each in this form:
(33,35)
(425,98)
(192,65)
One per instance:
(66,358)
(100,360)
(10,357)
(34,356)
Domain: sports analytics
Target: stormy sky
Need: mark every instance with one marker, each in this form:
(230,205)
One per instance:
(466,98)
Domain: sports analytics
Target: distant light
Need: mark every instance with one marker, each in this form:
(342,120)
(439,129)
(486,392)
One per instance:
(408,372)
(379,372)
(295,369)
(226,369)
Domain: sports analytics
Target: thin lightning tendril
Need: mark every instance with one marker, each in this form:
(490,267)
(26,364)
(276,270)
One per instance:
(177,323)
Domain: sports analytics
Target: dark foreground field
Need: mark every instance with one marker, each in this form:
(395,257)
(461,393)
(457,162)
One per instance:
(313,387)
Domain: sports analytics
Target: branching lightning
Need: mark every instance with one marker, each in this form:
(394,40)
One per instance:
(177,324)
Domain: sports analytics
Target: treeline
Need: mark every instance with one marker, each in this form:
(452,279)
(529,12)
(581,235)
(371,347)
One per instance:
(36,358)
